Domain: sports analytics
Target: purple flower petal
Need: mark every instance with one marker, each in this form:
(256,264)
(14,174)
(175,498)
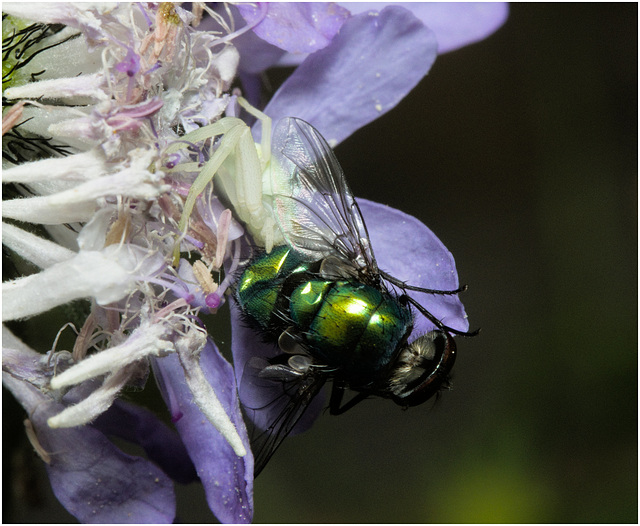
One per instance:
(162,444)
(91,477)
(251,87)
(25,364)
(131,63)
(297,27)
(370,65)
(227,478)
(256,55)
(405,248)
(456,24)
(263,400)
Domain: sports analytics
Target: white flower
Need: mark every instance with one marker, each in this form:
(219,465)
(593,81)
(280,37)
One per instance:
(115,94)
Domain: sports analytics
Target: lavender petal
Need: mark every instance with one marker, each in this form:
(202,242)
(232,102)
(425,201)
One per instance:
(456,24)
(91,477)
(370,65)
(406,249)
(297,27)
(227,478)
(140,426)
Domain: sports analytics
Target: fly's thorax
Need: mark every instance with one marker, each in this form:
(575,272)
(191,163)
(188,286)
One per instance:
(352,327)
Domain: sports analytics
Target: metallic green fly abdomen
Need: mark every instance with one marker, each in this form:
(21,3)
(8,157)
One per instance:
(356,328)
(351,327)
(307,300)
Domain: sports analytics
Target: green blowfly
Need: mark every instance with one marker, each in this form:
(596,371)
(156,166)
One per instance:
(322,298)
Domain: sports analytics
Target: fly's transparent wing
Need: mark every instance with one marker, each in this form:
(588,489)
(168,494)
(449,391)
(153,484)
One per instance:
(286,396)
(312,202)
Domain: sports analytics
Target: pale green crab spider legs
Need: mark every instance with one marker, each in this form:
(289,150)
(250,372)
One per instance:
(240,166)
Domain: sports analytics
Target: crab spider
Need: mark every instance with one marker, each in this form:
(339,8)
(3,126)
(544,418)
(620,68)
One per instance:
(238,164)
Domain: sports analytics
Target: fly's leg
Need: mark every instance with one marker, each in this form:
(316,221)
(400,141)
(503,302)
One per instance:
(404,286)
(405,299)
(335,402)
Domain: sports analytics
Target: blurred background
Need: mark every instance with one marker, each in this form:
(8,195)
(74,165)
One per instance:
(520,153)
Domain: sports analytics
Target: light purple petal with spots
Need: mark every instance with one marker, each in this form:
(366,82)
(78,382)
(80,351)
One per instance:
(161,444)
(91,477)
(456,24)
(227,478)
(370,65)
(406,249)
(297,27)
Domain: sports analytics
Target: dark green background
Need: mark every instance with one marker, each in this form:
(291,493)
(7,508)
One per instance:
(520,152)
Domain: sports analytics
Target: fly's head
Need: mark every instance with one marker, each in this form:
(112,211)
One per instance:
(422,368)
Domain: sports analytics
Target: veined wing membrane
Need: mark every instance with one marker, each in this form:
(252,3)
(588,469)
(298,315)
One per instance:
(292,392)
(312,201)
